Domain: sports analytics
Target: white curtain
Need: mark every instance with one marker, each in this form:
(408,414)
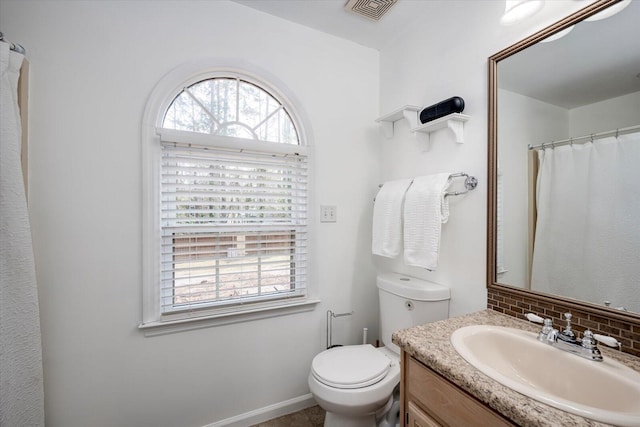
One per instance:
(587,243)
(21,385)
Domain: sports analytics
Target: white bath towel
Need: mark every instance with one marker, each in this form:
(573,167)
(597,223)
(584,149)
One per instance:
(425,210)
(387,218)
(21,385)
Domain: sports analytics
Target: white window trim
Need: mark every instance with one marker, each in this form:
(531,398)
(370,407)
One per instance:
(256,313)
(161,97)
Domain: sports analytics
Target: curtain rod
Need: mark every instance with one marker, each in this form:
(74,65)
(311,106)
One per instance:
(586,138)
(13,46)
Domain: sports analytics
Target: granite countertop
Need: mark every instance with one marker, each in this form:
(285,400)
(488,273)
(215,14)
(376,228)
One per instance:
(431,345)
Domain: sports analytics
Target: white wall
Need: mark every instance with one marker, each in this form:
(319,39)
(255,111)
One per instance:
(615,113)
(93,66)
(436,58)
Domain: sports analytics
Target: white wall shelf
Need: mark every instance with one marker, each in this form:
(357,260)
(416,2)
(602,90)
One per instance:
(454,121)
(409,112)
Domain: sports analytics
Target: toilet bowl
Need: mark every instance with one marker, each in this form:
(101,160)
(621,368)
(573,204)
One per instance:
(355,384)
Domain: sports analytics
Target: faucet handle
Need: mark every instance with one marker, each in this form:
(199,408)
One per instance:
(588,341)
(534,318)
(547,334)
(610,341)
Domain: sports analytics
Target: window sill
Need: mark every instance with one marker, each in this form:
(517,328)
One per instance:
(152,329)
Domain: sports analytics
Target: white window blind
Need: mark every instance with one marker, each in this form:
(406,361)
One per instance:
(233,226)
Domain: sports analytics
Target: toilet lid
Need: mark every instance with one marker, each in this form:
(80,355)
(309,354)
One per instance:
(352,366)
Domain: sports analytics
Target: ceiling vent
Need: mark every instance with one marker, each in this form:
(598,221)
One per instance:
(371,9)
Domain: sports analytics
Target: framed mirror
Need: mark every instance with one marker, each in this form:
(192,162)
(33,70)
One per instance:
(564,170)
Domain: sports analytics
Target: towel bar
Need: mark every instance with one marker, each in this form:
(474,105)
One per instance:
(470,183)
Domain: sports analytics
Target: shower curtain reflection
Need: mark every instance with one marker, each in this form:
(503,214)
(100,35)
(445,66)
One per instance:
(587,237)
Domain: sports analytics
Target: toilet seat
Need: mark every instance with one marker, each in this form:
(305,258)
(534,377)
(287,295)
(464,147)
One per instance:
(350,367)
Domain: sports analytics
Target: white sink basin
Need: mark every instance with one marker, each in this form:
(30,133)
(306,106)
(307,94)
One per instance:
(605,391)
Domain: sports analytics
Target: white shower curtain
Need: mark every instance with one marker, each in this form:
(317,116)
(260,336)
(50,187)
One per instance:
(21,384)
(587,243)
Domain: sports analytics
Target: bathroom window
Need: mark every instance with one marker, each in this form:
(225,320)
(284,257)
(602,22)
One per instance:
(231,209)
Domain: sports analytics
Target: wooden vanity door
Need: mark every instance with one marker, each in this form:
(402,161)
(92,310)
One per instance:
(417,418)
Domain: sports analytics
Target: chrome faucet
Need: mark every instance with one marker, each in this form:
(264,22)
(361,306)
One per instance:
(567,335)
(567,340)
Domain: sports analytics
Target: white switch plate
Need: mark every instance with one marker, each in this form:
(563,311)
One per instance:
(328,214)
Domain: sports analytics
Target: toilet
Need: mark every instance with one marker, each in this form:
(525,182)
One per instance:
(357,385)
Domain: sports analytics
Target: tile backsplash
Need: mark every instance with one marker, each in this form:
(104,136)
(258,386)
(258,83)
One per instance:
(624,331)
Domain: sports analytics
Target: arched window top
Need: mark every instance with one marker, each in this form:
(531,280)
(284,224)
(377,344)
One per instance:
(231,106)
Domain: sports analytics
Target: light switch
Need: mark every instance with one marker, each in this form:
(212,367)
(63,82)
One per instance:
(328,214)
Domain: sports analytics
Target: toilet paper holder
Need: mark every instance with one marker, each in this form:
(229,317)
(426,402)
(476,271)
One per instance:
(330,316)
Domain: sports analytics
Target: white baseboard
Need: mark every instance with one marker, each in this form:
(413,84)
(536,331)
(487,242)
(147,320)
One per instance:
(268,412)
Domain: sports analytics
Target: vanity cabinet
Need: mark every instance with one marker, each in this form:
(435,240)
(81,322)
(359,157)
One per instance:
(430,400)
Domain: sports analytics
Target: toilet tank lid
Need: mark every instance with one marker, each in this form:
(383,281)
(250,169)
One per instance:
(412,287)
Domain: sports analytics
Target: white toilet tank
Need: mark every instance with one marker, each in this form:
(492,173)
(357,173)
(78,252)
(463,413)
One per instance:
(406,301)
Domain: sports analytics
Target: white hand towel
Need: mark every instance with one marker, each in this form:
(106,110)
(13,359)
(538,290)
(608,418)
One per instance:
(387,218)
(425,210)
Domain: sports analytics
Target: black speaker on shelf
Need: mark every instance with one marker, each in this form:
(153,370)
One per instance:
(441,109)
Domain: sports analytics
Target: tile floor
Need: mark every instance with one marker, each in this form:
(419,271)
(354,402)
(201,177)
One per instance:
(310,417)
